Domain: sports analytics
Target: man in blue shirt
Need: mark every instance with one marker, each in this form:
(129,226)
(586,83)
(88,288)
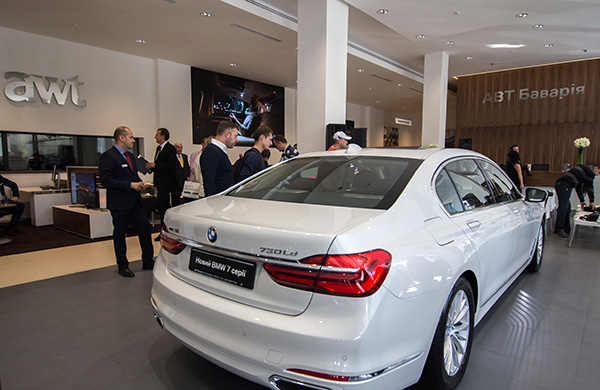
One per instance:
(17,210)
(253,160)
(281,144)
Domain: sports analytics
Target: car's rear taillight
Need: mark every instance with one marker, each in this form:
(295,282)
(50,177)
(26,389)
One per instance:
(359,274)
(172,246)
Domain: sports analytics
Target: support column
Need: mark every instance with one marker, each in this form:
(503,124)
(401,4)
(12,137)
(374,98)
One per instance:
(322,67)
(435,95)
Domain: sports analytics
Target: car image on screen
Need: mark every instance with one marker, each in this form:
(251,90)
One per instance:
(356,269)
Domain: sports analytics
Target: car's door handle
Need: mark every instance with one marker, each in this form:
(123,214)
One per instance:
(474,225)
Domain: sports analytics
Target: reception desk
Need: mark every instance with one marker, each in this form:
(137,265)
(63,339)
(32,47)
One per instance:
(41,201)
(542,178)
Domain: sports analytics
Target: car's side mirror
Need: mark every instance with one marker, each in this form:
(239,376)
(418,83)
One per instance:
(535,195)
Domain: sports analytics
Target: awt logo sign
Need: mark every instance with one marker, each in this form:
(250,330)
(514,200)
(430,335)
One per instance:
(21,87)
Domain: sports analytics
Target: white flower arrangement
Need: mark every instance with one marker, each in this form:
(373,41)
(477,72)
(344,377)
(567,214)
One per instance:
(582,142)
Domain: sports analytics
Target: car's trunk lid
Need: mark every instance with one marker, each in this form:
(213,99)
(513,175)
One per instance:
(230,238)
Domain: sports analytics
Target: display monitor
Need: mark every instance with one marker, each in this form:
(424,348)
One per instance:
(83,189)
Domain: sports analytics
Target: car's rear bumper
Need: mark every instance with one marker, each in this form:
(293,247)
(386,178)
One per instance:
(257,344)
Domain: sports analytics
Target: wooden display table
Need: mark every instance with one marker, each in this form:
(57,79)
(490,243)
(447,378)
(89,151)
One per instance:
(81,221)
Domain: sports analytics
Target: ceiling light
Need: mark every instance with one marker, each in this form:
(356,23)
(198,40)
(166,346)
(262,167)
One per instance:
(522,15)
(377,101)
(233,64)
(361,70)
(205,14)
(420,36)
(549,45)
(383,11)
(140,41)
(538,26)
(504,45)
(399,84)
(449,42)
(469,57)
(370,89)
(75,24)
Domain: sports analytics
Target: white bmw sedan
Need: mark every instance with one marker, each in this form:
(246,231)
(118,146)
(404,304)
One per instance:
(365,269)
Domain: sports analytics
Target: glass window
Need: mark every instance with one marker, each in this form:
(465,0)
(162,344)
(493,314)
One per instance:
(367,182)
(470,183)
(37,152)
(20,149)
(53,150)
(502,187)
(447,193)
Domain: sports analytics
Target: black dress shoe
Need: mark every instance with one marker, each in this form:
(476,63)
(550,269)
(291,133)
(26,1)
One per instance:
(157,238)
(148,265)
(126,272)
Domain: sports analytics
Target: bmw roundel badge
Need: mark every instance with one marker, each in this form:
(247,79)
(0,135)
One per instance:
(212,234)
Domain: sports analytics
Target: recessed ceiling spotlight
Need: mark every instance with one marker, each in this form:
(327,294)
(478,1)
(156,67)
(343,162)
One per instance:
(383,11)
(361,70)
(421,36)
(469,57)
(233,64)
(399,84)
(549,45)
(538,26)
(206,14)
(504,45)
(449,42)
(140,41)
(75,24)
(522,15)
(377,101)
(370,89)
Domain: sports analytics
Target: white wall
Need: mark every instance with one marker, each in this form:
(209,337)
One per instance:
(143,94)
(120,89)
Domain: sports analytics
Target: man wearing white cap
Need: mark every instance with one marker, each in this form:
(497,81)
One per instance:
(340,141)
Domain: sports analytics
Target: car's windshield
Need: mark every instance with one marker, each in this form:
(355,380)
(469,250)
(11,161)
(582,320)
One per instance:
(349,181)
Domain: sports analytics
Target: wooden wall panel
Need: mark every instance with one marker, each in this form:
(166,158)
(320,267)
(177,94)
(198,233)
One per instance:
(544,128)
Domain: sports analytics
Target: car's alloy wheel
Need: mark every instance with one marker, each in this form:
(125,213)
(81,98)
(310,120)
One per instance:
(451,346)
(458,326)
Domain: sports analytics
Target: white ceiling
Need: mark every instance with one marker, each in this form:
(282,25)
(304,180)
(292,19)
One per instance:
(175,31)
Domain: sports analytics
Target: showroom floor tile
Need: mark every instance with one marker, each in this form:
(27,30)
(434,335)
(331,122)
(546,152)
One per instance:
(92,329)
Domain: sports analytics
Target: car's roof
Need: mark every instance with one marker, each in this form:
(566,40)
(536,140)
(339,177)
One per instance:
(420,153)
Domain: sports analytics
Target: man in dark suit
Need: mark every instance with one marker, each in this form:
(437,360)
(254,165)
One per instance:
(183,168)
(118,174)
(217,174)
(165,171)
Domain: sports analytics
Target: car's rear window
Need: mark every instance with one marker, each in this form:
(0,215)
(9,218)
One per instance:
(349,181)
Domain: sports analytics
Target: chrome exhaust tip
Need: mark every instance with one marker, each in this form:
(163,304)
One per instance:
(159,320)
(281,383)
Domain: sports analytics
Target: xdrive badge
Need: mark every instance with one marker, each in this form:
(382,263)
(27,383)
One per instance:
(212,234)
